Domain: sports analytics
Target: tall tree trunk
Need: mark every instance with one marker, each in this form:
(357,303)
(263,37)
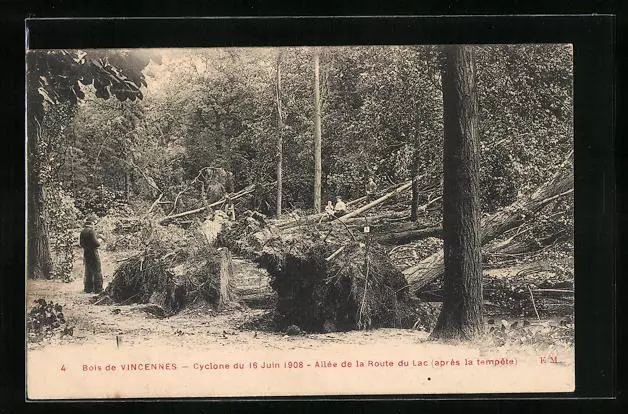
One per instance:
(414,207)
(461,315)
(127,185)
(279,139)
(317,138)
(39,260)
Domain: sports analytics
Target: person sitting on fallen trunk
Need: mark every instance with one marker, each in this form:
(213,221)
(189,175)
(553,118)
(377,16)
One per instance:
(329,211)
(89,242)
(329,208)
(340,209)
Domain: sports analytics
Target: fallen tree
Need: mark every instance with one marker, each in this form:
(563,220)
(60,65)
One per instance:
(403,237)
(374,203)
(495,225)
(315,217)
(234,196)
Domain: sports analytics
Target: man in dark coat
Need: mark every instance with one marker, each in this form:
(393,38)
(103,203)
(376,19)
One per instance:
(371,189)
(89,242)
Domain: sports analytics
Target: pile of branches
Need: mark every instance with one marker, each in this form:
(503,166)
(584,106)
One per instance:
(174,270)
(324,289)
(532,292)
(246,236)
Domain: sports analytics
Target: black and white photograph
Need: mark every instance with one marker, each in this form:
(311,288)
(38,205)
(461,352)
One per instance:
(300,221)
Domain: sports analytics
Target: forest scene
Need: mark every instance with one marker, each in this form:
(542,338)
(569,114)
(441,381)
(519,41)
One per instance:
(286,197)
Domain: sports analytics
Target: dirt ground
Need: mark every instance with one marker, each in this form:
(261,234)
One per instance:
(194,328)
(198,328)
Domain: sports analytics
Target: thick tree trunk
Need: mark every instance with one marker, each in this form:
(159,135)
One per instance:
(317,137)
(279,139)
(39,259)
(225,279)
(461,314)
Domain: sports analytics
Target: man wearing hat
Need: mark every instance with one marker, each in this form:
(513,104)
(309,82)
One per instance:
(89,242)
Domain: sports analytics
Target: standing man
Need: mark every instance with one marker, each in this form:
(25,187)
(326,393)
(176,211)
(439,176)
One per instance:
(229,207)
(371,189)
(89,242)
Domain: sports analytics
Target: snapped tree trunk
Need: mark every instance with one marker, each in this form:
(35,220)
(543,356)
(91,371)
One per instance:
(279,138)
(225,280)
(317,137)
(461,314)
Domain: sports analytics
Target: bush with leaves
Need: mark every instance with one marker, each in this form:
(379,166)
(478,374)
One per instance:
(98,201)
(45,320)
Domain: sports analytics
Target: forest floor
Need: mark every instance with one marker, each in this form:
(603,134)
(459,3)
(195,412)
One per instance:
(198,327)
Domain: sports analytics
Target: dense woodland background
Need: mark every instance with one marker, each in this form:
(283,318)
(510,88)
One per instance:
(208,116)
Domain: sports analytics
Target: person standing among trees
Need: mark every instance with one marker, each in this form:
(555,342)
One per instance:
(229,208)
(89,242)
(371,189)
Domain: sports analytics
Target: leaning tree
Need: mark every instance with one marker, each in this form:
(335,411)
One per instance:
(57,77)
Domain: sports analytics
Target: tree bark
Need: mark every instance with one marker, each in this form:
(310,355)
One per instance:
(39,259)
(414,207)
(317,136)
(225,279)
(279,139)
(127,185)
(462,311)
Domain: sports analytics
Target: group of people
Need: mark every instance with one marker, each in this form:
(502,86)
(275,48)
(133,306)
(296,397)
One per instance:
(340,208)
(337,210)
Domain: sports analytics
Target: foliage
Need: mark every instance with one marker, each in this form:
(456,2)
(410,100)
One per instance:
(541,335)
(382,115)
(62,222)
(45,320)
(55,83)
